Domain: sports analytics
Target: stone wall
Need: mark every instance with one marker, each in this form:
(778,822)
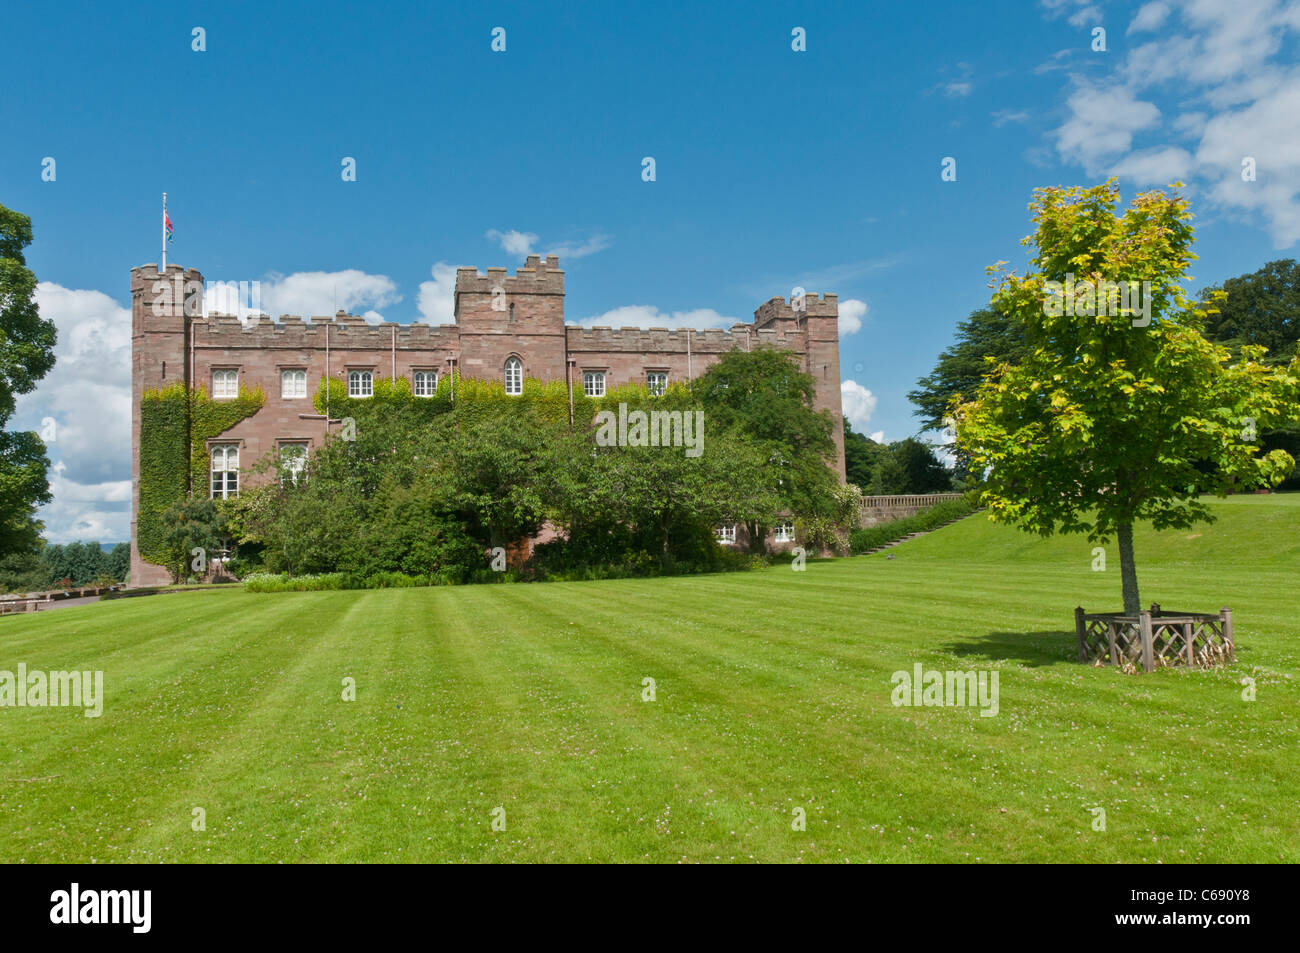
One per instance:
(498,316)
(886,509)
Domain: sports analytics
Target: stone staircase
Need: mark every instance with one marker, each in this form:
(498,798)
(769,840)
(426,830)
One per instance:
(911,536)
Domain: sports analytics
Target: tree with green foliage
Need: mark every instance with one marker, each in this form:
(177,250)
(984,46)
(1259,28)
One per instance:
(922,471)
(668,503)
(904,466)
(118,565)
(1261,308)
(1109,417)
(77,562)
(763,396)
(984,341)
(24,572)
(26,356)
(192,524)
(861,454)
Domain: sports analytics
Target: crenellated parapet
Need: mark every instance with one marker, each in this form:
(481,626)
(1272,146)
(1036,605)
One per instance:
(677,340)
(538,276)
(346,331)
(811,305)
(507,327)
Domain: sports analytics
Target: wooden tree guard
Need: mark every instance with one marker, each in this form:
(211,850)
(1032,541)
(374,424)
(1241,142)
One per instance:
(1155,638)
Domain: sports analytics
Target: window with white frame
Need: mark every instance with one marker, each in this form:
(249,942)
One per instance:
(657,382)
(426,383)
(361,383)
(726,534)
(784,533)
(514,376)
(225,471)
(225,384)
(293,384)
(593,383)
(293,462)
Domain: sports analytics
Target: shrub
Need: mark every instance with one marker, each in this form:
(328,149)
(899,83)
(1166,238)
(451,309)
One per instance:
(873,537)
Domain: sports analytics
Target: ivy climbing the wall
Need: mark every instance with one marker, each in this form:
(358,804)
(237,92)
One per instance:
(172,464)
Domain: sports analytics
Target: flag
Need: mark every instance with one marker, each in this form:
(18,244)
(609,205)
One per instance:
(167,222)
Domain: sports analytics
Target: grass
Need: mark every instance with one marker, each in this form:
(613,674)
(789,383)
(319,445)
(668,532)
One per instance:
(773,692)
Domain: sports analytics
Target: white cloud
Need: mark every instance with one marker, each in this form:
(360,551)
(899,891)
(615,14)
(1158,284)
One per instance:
(648,316)
(1215,68)
(516,244)
(305,293)
(1149,17)
(1089,15)
(437,300)
(1078,12)
(1004,116)
(1155,166)
(851,313)
(522,244)
(88,395)
(1101,124)
(957,90)
(858,405)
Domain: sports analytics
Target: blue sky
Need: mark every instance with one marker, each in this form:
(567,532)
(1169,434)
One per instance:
(775,168)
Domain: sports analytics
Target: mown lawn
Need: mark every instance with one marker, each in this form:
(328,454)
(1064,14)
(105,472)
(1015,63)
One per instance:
(773,692)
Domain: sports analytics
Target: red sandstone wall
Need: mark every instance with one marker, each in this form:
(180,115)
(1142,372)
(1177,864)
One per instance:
(479,344)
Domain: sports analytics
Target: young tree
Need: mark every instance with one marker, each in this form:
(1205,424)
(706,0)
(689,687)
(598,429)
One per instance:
(1110,418)
(26,355)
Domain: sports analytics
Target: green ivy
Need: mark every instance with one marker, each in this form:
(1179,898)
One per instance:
(472,398)
(172,465)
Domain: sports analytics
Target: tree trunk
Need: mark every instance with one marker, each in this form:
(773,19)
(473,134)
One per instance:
(1128,570)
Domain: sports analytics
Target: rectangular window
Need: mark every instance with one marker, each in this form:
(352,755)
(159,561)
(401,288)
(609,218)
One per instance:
(225,471)
(361,384)
(225,384)
(726,534)
(293,384)
(293,462)
(593,383)
(784,533)
(426,383)
(657,382)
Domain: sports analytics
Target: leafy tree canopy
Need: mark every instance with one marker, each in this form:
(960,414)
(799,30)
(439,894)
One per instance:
(26,355)
(1104,423)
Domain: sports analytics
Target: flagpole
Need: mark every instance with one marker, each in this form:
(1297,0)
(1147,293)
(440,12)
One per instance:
(164,234)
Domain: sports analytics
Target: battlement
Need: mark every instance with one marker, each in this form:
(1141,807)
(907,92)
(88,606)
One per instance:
(674,341)
(345,331)
(538,276)
(150,270)
(817,306)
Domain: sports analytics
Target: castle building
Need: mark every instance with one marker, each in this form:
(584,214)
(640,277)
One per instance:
(507,328)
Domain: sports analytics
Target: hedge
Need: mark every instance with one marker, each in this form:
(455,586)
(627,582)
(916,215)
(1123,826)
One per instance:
(873,537)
